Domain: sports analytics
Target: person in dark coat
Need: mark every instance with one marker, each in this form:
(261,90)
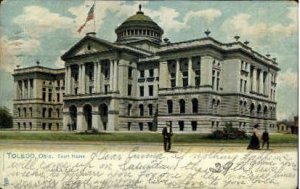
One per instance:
(254,141)
(167,134)
(265,139)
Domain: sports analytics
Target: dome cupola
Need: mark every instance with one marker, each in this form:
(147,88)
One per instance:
(138,27)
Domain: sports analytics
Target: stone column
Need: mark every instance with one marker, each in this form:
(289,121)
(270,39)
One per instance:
(23,89)
(260,82)
(83,80)
(66,120)
(16,89)
(164,75)
(206,71)
(116,75)
(28,89)
(178,73)
(70,86)
(112,124)
(111,75)
(190,72)
(96,119)
(80,121)
(36,89)
(254,77)
(95,76)
(79,79)
(99,78)
(67,80)
(268,81)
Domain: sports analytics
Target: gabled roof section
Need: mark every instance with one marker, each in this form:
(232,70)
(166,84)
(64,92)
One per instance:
(91,45)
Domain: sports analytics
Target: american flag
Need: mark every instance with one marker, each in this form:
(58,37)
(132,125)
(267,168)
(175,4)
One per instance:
(89,17)
(90,14)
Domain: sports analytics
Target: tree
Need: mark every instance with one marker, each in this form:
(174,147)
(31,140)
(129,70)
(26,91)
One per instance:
(5,118)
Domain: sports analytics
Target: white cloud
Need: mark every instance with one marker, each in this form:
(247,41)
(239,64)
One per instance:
(59,62)
(12,50)
(240,24)
(243,25)
(168,17)
(209,15)
(289,78)
(36,20)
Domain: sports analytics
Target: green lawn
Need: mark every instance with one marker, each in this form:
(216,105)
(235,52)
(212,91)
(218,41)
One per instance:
(134,137)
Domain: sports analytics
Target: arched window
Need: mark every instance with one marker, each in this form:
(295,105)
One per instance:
(170,106)
(241,106)
(252,107)
(50,112)
(44,112)
(182,106)
(57,112)
(24,110)
(150,108)
(129,109)
(259,109)
(19,112)
(265,111)
(30,111)
(195,105)
(141,110)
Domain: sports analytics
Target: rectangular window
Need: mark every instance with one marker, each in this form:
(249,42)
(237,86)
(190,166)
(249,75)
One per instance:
(141,91)
(181,125)
(185,78)
(150,126)
(241,85)
(90,90)
(58,97)
(129,126)
(194,125)
(129,90)
(197,77)
(106,75)
(142,73)
(49,95)
(58,83)
(150,87)
(151,73)
(173,80)
(141,126)
(150,106)
(106,87)
(129,72)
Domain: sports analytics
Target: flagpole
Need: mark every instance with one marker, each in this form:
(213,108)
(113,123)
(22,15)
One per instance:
(94,16)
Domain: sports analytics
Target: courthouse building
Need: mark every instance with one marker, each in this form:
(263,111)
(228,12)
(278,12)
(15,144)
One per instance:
(140,81)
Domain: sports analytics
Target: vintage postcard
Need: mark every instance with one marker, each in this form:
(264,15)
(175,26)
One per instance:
(148,94)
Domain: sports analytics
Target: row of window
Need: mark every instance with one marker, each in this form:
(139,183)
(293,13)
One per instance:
(150,126)
(50,99)
(150,73)
(141,108)
(45,126)
(138,32)
(215,80)
(142,92)
(25,114)
(194,101)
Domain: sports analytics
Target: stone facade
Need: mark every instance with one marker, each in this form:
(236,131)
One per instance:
(139,82)
(38,99)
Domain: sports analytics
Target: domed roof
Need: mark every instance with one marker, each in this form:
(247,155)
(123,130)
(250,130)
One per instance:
(139,22)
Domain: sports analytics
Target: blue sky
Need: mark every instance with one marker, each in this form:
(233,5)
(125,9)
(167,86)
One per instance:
(43,30)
